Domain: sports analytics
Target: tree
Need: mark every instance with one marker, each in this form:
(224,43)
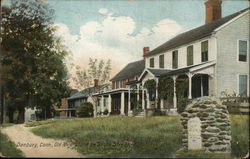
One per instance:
(97,70)
(33,57)
(85,110)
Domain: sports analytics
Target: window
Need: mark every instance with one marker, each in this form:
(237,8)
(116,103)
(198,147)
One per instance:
(204,51)
(152,62)
(120,84)
(117,84)
(175,59)
(190,59)
(243,85)
(242,50)
(161,61)
(104,102)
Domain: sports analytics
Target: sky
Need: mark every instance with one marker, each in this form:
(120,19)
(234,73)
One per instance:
(119,29)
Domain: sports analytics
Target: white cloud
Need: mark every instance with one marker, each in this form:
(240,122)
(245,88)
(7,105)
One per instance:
(112,39)
(103,11)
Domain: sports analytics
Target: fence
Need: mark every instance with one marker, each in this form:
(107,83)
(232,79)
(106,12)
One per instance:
(237,105)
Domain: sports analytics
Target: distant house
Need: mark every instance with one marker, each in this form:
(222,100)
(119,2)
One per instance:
(69,105)
(213,57)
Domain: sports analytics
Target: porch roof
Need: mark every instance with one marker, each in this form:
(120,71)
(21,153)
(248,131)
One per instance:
(188,69)
(115,91)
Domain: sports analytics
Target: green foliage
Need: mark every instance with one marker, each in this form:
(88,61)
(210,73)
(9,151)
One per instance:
(119,136)
(32,55)
(7,147)
(200,154)
(240,135)
(106,112)
(150,85)
(37,123)
(166,88)
(181,87)
(85,110)
(158,112)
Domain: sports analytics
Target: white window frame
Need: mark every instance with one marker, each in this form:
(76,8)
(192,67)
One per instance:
(238,53)
(238,83)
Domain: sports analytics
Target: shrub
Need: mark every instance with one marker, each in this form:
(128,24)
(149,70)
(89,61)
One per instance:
(159,112)
(106,112)
(85,110)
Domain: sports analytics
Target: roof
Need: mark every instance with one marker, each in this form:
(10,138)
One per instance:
(131,70)
(85,93)
(158,72)
(194,34)
(185,69)
(77,95)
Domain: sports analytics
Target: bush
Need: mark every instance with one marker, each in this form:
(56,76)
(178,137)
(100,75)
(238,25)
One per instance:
(158,112)
(85,110)
(106,112)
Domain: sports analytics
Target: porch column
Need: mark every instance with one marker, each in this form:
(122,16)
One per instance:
(143,102)
(148,104)
(156,92)
(138,95)
(102,104)
(129,102)
(190,75)
(162,104)
(122,103)
(175,98)
(109,103)
(70,113)
(201,87)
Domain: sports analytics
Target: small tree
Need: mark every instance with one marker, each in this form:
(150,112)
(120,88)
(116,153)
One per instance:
(85,110)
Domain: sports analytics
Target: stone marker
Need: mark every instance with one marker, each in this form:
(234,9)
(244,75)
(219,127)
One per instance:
(206,125)
(194,133)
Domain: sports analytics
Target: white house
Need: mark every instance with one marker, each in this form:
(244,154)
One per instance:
(213,57)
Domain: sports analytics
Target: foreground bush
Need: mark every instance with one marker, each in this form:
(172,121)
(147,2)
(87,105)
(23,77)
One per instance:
(85,110)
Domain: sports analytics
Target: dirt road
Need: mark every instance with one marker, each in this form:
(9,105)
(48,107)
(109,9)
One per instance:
(35,146)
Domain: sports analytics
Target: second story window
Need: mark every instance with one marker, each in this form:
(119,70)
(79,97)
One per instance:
(190,58)
(116,84)
(120,84)
(152,62)
(175,59)
(161,61)
(204,51)
(242,50)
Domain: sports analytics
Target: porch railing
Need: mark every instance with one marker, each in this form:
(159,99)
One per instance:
(237,105)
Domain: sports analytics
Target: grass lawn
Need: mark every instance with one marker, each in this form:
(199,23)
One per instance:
(133,137)
(7,147)
(118,136)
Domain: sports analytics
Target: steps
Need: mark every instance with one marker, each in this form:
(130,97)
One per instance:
(141,114)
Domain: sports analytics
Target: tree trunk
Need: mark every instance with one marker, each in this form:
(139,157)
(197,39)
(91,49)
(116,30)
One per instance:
(21,112)
(11,116)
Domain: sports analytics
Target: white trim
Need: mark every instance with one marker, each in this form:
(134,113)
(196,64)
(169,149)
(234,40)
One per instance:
(232,20)
(145,70)
(238,53)
(238,83)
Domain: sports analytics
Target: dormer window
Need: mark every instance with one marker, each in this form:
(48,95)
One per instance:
(152,62)
(204,51)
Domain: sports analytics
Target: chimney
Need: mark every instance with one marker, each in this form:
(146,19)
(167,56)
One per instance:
(145,51)
(95,82)
(213,10)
